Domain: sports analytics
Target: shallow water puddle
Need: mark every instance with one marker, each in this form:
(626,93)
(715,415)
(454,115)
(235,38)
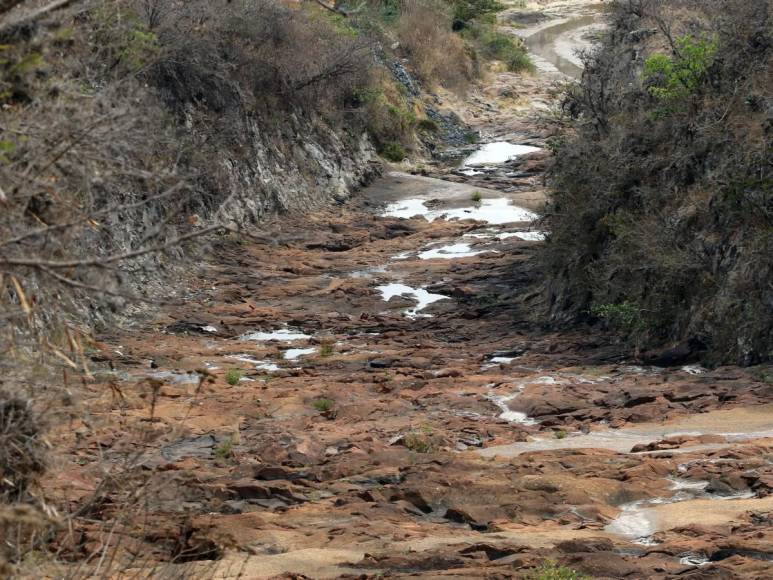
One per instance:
(423,297)
(369,272)
(402,256)
(177,378)
(693,559)
(296,353)
(495,211)
(497,153)
(693,369)
(527,236)
(502,401)
(263,365)
(283,335)
(450,252)
(556,45)
(734,425)
(638,520)
(507,414)
(267,366)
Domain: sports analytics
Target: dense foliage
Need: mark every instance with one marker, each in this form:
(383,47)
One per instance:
(662,215)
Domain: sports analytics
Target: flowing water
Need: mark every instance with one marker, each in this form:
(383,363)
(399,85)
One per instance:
(556,46)
(734,425)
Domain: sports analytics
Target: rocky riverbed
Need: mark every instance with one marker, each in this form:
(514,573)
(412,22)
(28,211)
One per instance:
(367,392)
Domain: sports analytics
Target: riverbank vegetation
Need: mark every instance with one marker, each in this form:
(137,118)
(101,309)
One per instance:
(137,132)
(662,211)
(113,112)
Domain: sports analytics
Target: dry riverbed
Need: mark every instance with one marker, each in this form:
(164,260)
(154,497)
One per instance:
(370,394)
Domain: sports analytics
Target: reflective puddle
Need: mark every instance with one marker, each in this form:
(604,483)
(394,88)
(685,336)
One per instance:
(263,365)
(421,296)
(450,252)
(282,335)
(296,353)
(639,520)
(493,211)
(497,153)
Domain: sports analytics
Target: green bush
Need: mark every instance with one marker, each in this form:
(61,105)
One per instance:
(677,77)
(427,125)
(233,376)
(493,44)
(660,208)
(389,119)
(393,152)
(326,349)
(625,316)
(225,450)
(465,11)
(122,34)
(418,442)
(322,405)
(552,571)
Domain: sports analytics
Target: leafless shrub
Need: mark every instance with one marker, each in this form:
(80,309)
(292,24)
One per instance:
(21,447)
(253,53)
(100,181)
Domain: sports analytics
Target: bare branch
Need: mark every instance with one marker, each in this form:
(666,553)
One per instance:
(8,5)
(99,213)
(99,290)
(33,16)
(111,259)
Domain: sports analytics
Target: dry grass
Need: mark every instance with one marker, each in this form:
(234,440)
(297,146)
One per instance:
(99,179)
(438,56)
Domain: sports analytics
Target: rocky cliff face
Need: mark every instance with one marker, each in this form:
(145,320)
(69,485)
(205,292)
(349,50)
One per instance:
(298,166)
(264,168)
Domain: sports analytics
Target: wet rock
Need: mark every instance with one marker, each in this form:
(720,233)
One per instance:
(275,472)
(725,553)
(683,353)
(339,245)
(603,565)
(491,551)
(380,363)
(414,498)
(639,397)
(398,229)
(252,490)
(583,545)
(201,447)
(186,327)
(510,353)
(719,487)
(462,517)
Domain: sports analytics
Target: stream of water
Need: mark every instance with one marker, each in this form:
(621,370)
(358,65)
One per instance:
(557,46)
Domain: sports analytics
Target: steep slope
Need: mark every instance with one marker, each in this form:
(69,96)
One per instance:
(663,209)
